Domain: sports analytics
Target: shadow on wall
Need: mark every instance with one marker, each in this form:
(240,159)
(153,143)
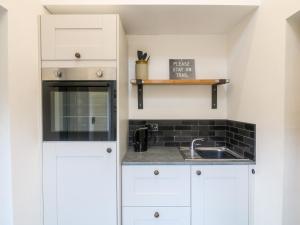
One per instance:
(5,165)
(240,43)
(291,207)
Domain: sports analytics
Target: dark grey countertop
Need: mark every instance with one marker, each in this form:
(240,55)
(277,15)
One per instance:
(170,156)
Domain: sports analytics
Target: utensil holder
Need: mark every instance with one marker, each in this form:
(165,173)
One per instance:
(141,70)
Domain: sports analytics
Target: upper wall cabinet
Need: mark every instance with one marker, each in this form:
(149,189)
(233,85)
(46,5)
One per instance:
(79,37)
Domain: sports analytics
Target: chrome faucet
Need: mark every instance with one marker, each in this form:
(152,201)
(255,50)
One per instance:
(193,143)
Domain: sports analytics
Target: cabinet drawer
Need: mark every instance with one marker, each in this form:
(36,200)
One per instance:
(94,37)
(156,185)
(156,215)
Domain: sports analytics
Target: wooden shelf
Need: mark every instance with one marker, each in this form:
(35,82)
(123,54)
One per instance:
(214,83)
(182,82)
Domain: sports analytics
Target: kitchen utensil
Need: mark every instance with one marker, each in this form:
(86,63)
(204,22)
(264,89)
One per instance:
(144,56)
(140,55)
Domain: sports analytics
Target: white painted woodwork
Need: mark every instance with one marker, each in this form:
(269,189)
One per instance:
(141,187)
(145,216)
(79,63)
(156,19)
(122,106)
(79,183)
(220,195)
(93,36)
(150,2)
(251,193)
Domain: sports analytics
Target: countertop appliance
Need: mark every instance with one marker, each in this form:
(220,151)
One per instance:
(79,104)
(140,141)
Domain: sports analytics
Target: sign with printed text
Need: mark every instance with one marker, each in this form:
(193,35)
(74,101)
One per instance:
(182,69)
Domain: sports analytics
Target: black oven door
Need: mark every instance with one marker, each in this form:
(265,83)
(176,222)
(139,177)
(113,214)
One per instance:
(79,110)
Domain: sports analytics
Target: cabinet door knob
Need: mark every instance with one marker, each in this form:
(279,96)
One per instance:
(77,55)
(99,73)
(109,150)
(156,214)
(198,172)
(156,172)
(58,74)
(253,171)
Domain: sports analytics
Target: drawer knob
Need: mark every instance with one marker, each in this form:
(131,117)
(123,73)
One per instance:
(253,171)
(156,214)
(198,172)
(109,150)
(156,172)
(77,55)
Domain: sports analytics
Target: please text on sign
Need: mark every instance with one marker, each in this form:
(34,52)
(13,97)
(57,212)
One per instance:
(182,69)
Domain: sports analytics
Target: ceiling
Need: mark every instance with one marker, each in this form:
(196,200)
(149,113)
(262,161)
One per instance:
(167,19)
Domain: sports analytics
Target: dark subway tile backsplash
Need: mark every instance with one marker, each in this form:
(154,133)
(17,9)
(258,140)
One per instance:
(235,135)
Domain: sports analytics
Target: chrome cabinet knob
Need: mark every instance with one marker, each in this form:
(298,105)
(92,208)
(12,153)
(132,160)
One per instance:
(58,74)
(99,73)
(109,150)
(156,214)
(198,172)
(77,55)
(156,172)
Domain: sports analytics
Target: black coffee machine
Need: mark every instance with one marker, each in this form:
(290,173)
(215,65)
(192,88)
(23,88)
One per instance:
(140,139)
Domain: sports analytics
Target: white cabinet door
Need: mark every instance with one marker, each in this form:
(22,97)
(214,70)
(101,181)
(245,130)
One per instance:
(79,181)
(156,216)
(94,37)
(156,185)
(220,195)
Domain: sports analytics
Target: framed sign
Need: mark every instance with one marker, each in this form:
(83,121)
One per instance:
(182,69)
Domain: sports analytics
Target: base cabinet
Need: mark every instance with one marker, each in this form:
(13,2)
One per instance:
(187,195)
(156,216)
(220,195)
(79,183)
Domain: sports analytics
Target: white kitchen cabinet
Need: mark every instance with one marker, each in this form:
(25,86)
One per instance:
(79,37)
(79,183)
(156,216)
(160,185)
(220,195)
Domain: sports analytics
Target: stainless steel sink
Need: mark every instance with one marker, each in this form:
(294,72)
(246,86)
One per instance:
(210,153)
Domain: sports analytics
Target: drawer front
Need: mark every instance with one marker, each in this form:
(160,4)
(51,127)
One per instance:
(156,185)
(94,37)
(156,215)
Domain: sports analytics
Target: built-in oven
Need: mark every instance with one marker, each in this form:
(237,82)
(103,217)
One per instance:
(79,104)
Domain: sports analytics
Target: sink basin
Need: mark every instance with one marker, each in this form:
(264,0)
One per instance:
(210,153)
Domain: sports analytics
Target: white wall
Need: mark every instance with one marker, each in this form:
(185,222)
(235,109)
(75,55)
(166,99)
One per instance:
(179,102)
(25,107)
(257,72)
(291,206)
(5,159)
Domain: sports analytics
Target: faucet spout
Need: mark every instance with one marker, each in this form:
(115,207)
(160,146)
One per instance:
(194,141)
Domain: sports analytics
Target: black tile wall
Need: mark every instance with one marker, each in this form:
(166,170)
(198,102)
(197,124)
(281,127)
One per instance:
(237,136)
(240,137)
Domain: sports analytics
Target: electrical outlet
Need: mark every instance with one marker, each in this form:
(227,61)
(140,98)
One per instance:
(155,127)
(152,126)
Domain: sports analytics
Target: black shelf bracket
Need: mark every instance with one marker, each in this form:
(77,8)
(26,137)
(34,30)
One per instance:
(214,96)
(214,93)
(140,93)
